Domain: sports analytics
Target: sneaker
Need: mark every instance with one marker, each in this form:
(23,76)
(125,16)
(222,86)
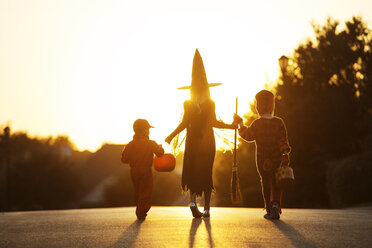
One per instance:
(268,214)
(195,211)
(206,214)
(275,211)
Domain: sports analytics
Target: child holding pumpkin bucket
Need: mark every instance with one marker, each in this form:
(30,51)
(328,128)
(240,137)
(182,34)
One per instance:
(199,119)
(272,149)
(139,154)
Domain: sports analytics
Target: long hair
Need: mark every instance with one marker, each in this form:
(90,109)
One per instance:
(198,93)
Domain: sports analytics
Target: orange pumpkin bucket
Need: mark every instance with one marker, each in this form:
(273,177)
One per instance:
(165,163)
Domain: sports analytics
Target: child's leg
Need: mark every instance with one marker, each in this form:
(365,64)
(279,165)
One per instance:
(144,194)
(135,180)
(265,184)
(276,193)
(266,191)
(275,198)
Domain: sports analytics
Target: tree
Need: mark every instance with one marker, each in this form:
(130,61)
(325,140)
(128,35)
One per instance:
(325,97)
(39,175)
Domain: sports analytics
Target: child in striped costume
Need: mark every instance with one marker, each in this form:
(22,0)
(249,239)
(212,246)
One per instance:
(272,147)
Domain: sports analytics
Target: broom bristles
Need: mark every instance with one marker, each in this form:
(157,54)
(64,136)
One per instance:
(236,196)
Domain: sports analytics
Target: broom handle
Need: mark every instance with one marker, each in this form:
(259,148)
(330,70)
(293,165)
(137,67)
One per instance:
(236,112)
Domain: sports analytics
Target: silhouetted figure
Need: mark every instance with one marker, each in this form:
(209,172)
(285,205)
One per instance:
(139,154)
(199,118)
(272,148)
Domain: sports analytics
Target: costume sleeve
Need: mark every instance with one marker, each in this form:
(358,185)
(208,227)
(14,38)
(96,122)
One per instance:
(157,149)
(248,133)
(218,123)
(125,155)
(283,139)
(186,113)
(185,120)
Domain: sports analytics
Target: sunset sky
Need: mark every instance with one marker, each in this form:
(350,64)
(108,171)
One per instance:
(88,69)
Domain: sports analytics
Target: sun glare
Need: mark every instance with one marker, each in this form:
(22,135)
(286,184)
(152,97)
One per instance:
(91,74)
(145,86)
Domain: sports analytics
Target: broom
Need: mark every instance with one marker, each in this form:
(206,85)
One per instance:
(236,195)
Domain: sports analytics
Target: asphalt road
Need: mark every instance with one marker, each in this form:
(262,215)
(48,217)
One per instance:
(175,227)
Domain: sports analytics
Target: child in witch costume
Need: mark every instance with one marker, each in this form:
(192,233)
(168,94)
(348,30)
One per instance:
(199,119)
(272,149)
(139,154)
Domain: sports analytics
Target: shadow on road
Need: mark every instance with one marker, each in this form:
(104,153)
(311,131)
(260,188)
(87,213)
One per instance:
(296,238)
(129,236)
(194,227)
(209,230)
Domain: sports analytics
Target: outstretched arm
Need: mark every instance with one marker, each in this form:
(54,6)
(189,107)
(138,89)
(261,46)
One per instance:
(247,133)
(220,124)
(179,129)
(181,126)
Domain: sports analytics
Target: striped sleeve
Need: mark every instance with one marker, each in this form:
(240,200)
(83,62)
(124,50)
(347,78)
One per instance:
(247,133)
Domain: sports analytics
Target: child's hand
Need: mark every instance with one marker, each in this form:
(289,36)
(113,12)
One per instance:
(238,119)
(235,125)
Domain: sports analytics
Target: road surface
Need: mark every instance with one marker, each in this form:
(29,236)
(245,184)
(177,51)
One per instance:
(174,227)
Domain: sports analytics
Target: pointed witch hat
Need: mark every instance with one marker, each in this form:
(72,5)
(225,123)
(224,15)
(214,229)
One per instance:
(199,77)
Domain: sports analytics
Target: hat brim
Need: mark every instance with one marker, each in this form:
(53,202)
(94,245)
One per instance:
(189,87)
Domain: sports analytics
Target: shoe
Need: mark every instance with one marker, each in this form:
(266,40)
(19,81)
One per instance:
(206,214)
(267,216)
(195,212)
(141,217)
(275,215)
